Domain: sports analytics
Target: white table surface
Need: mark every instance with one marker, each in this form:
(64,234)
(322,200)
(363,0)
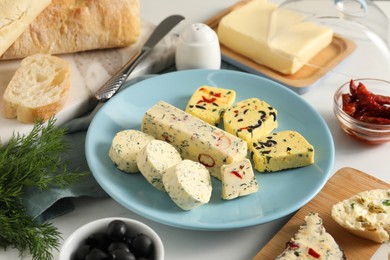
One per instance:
(244,243)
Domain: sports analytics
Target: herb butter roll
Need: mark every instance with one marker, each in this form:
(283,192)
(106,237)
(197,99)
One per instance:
(154,159)
(194,139)
(124,149)
(188,184)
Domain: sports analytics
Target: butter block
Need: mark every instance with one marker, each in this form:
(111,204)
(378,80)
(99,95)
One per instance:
(238,179)
(209,103)
(194,139)
(281,150)
(284,44)
(250,119)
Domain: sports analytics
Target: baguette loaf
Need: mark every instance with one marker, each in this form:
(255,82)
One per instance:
(15,17)
(38,89)
(366,214)
(68,26)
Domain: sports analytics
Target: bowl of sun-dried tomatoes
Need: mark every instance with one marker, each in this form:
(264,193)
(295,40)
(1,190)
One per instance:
(362,107)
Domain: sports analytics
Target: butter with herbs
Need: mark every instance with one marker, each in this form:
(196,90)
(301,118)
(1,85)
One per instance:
(194,139)
(281,150)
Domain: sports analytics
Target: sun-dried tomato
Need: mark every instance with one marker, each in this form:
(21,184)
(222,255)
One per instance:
(366,106)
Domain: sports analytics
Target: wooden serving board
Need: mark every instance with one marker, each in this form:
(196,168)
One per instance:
(342,185)
(321,64)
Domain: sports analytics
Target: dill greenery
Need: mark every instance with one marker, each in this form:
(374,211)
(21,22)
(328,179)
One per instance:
(32,160)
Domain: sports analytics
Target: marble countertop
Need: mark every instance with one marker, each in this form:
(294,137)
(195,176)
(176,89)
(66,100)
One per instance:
(244,243)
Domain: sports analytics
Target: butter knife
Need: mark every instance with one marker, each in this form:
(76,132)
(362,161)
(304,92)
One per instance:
(116,81)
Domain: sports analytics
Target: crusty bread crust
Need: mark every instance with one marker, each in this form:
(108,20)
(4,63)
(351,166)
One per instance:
(15,16)
(38,89)
(68,26)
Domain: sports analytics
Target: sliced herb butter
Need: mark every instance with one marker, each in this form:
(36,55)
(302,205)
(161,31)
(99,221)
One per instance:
(281,150)
(209,103)
(238,179)
(188,184)
(250,119)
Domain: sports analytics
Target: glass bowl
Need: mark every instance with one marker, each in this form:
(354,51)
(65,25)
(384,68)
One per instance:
(369,132)
(134,227)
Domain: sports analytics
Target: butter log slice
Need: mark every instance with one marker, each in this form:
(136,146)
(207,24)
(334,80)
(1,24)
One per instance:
(246,30)
(124,148)
(194,139)
(312,242)
(238,179)
(281,150)
(250,119)
(209,103)
(188,184)
(367,214)
(154,159)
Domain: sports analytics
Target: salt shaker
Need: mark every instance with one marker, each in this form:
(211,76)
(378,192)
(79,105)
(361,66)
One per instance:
(198,48)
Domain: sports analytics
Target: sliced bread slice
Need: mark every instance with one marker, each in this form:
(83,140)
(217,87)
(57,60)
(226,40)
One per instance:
(38,89)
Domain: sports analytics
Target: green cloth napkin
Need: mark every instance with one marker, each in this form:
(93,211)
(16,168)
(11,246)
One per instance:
(48,204)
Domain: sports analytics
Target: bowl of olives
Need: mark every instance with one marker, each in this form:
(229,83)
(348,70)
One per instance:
(113,238)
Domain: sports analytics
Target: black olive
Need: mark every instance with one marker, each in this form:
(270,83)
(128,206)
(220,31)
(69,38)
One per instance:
(97,254)
(116,230)
(81,252)
(119,254)
(142,245)
(118,245)
(98,240)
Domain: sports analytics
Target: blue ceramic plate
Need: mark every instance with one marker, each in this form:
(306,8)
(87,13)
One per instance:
(280,193)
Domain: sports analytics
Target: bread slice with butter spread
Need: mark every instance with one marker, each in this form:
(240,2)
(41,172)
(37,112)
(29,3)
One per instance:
(367,214)
(312,242)
(38,89)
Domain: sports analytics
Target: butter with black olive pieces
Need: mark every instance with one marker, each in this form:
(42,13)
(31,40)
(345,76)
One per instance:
(281,150)
(250,119)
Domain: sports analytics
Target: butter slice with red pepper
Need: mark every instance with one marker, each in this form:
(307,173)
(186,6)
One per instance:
(209,103)
(238,179)
(250,119)
(312,242)
(281,150)
(194,139)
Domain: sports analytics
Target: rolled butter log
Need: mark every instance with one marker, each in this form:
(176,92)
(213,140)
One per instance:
(15,17)
(69,26)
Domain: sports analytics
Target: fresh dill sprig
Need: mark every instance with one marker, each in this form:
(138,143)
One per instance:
(32,160)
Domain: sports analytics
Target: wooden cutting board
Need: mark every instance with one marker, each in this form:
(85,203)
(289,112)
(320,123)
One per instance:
(343,184)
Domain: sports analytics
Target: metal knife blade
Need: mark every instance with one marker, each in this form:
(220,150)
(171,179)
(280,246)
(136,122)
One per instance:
(116,81)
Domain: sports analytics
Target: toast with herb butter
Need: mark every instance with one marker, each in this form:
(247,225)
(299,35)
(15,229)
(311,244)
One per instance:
(367,214)
(312,242)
